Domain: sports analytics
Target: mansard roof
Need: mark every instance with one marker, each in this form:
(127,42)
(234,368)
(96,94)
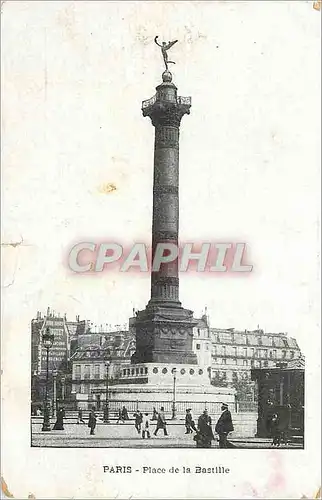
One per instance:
(296,364)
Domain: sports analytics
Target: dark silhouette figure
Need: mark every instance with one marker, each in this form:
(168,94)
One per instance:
(161,422)
(125,415)
(189,423)
(120,417)
(224,426)
(80,416)
(59,424)
(92,420)
(204,434)
(138,420)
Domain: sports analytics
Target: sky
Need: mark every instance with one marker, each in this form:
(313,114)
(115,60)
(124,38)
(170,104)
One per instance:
(74,77)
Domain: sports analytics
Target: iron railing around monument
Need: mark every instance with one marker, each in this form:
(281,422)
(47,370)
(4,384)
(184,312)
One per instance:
(214,409)
(180,100)
(149,102)
(197,407)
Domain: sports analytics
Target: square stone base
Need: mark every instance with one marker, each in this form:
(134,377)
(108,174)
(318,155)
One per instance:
(164,335)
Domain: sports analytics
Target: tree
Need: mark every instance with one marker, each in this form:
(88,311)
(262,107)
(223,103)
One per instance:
(245,387)
(219,380)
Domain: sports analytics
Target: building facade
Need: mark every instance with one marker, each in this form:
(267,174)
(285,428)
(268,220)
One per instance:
(59,352)
(59,369)
(202,342)
(235,352)
(81,350)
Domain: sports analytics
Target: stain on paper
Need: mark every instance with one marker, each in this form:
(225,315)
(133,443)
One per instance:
(8,494)
(317,5)
(143,36)
(5,490)
(13,244)
(107,188)
(316,496)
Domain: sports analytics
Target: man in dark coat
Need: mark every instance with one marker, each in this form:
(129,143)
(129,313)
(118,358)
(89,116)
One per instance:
(120,417)
(80,416)
(124,414)
(92,420)
(161,422)
(224,426)
(138,420)
(204,434)
(189,423)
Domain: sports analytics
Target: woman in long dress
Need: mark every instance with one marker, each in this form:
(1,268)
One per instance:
(204,434)
(59,424)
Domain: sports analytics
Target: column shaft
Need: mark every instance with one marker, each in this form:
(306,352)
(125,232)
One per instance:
(165,223)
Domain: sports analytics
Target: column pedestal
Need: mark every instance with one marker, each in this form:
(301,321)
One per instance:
(164,335)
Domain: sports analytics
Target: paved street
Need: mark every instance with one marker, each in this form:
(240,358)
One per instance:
(125,436)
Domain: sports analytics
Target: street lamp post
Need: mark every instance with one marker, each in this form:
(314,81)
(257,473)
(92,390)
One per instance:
(47,340)
(107,409)
(63,388)
(174,416)
(54,394)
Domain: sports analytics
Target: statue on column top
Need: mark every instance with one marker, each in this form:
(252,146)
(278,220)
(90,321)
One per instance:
(164,48)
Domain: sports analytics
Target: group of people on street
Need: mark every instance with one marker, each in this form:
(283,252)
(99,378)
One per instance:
(142,422)
(204,433)
(203,430)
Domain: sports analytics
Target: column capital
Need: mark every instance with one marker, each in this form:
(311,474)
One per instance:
(166,108)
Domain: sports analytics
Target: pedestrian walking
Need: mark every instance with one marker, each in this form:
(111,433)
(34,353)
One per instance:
(146,426)
(204,434)
(161,422)
(59,424)
(189,423)
(80,416)
(92,420)
(120,417)
(125,415)
(224,426)
(154,414)
(138,418)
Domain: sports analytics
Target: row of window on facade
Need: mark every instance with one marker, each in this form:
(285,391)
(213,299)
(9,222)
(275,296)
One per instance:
(87,371)
(203,331)
(88,388)
(243,362)
(54,323)
(223,375)
(54,358)
(247,338)
(248,352)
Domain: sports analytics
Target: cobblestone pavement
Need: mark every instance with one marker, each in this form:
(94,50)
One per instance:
(125,436)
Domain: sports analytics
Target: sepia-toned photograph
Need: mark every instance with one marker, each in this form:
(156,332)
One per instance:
(166,377)
(160,243)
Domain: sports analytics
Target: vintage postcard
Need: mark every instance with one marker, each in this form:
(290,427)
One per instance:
(160,249)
